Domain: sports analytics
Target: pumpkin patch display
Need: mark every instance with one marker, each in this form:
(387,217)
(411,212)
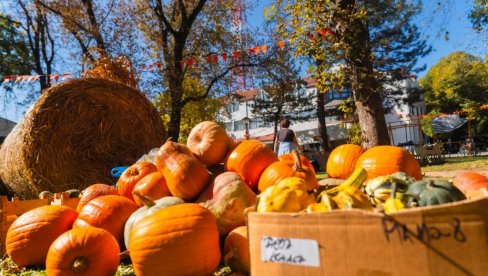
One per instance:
(185,176)
(149,207)
(280,170)
(236,250)
(209,142)
(249,159)
(227,197)
(30,235)
(108,212)
(153,186)
(342,160)
(129,178)
(303,159)
(94,191)
(470,181)
(178,240)
(83,251)
(385,160)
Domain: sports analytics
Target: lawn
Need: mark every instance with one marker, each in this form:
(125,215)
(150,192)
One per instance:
(459,163)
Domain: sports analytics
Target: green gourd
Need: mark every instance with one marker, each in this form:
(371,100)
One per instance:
(430,192)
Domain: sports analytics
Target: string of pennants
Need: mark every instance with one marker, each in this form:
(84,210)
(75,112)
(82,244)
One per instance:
(430,116)
(188,63)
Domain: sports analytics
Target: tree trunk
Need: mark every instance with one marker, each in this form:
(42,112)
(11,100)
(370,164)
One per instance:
(366,89)
(321,118)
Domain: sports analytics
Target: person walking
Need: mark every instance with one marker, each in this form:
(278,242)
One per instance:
(286,139)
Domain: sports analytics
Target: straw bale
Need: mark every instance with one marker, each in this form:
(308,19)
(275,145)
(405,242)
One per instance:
(75,133)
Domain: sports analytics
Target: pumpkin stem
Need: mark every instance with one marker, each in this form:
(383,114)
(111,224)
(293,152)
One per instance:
(298,160)
(80,264)
(144,199)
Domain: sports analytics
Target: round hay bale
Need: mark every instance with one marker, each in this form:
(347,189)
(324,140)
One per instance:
(75,133)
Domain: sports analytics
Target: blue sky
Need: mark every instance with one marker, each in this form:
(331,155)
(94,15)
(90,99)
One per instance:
(433,22)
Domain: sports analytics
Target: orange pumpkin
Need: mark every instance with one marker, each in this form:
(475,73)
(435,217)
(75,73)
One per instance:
(129,178)
(31,234)
(249,159)
(303,159)
(280,170)
(385,160)
(209,142)
(470,181)
(185,175)
(178,240)
(342,160)
(109,212)
(153,186)
(87,251)
(236,250)
(94,191)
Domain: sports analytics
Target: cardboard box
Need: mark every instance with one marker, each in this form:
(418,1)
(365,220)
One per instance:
(451,239)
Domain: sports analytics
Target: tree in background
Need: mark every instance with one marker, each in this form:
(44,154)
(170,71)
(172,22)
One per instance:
(194,112)
(479,15)
(357,43)
(14,51)
(283,93)
(458,83)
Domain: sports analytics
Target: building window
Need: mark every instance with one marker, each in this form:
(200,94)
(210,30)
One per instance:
(239,125)
(235,106)
(228,107)
(228,126)
(255,123)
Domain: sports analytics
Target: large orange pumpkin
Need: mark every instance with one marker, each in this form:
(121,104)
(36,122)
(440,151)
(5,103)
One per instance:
(470,181)
(342,161)
(153,186)
(109,212)
(185,175)
(291,157)
(129,178)
(249,159)
(209,142)
(280,170)
(385,160)
(178,240)
(94,191)
(236,250)
(83,251)
(31,234)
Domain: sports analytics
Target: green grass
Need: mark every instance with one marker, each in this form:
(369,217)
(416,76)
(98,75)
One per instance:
(459,163)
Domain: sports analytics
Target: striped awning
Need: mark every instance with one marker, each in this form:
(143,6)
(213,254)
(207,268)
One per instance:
(447,123)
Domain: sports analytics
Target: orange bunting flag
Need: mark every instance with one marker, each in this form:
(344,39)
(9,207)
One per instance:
(36,77)
(191,62)
(264,48)
(150,67)
(158,65)
(65,76)
(143,67)
(54,77)
(236,54)
(281,44)
(224,56)
(212,59)
(182,64)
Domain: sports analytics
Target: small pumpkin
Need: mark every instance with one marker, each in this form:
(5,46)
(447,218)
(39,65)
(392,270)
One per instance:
(209,142)
(129,178)
(109,212)
(429,192)
(342,160)
(153,186)
(94,191)
(236,250)
(280,170)
(249,159)
(30,235)
(150,206)
(288,195)
(178,240)
(385,160)
(470,181)
(185,176)
(87,251)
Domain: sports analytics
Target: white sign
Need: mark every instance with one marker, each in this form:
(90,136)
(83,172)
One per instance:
(290,251)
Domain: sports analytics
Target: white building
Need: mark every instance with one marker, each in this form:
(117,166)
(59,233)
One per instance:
(402,125)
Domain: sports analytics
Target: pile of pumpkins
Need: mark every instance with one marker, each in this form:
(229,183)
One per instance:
(184,213)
